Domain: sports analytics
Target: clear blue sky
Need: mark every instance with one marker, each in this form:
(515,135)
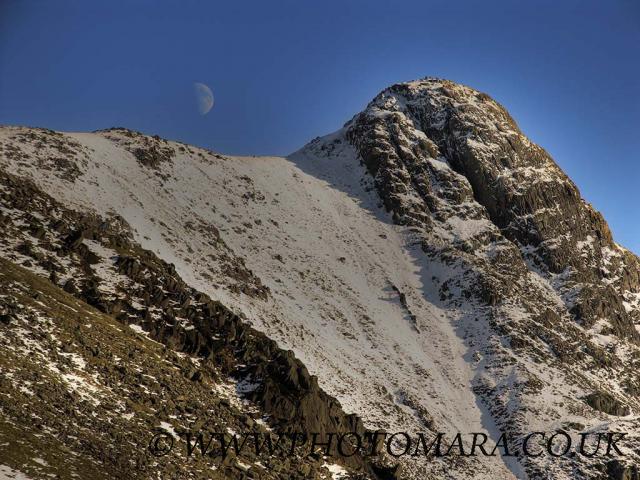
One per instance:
(283,72)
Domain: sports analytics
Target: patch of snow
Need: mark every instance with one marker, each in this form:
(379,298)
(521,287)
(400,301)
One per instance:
(8,473)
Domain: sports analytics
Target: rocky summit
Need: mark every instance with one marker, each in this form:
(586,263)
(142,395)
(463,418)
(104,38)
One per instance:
(424,270)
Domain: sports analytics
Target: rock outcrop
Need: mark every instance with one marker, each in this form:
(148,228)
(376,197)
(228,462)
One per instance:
(411,130)
(538,263)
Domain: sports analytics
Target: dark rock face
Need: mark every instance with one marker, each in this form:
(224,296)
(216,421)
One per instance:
(536,261)
(606,403)
(409,128)
(616,470)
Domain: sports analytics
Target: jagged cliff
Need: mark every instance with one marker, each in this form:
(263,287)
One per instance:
(538,260)
(409,127)
(428,266)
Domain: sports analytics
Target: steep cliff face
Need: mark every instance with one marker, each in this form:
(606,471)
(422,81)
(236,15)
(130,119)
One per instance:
(431,269)
(411,130)
(538,261)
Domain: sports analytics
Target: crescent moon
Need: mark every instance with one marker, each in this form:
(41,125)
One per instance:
(204,97)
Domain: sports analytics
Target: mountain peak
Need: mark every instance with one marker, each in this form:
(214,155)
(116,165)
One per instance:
(438,144)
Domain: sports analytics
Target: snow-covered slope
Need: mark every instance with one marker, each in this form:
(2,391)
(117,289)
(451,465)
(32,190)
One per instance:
(312,230)
(374,255)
